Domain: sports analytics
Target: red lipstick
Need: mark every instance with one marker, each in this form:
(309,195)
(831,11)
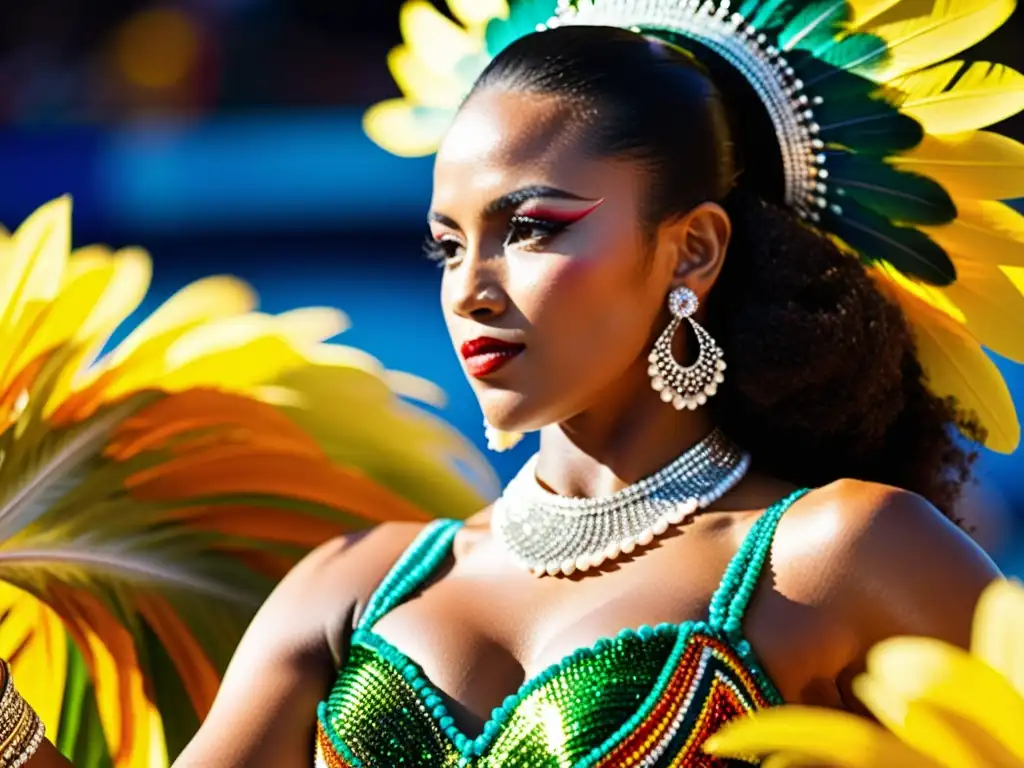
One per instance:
(486,355)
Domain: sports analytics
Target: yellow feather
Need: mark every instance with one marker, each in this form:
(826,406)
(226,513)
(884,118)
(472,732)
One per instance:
(992,306)
(422,85)
(1016,276)
(949,738)
(946,29)
(210,298)
(309,325)
(400,128)
(476,13)
(839,739)
(865,11)
(979,165)
(955,364)
(950,679)
(231,354)
(956,97)
(434,39)
(33,639)
(130,271)
(31,272)
(983,231)
(998,629)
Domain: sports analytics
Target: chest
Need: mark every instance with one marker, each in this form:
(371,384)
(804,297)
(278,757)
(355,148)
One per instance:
(480,631)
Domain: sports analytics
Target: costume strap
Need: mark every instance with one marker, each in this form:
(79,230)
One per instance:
(417,564)
(730,601)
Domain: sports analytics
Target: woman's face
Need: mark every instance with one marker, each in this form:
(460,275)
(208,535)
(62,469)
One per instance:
(549,293)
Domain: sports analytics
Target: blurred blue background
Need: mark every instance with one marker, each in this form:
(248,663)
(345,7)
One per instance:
(224,136)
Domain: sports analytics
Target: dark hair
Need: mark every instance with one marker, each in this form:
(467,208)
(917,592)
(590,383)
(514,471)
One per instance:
(823,379)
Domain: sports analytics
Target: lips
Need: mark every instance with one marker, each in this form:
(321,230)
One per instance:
(486,355)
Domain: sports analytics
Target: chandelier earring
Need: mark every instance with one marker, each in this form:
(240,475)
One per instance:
(686,386)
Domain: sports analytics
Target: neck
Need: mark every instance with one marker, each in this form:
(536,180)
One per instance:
(607,448)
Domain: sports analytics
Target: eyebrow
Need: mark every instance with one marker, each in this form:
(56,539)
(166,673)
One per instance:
(511,200)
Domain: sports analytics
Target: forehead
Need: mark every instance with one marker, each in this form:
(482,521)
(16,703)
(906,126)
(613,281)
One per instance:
(504,140)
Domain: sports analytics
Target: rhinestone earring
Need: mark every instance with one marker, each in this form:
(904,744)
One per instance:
(499,441)
(689,386)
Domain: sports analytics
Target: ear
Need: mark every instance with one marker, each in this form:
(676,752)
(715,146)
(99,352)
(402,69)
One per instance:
(695,245)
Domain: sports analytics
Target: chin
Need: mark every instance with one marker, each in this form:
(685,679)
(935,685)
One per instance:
(511,411)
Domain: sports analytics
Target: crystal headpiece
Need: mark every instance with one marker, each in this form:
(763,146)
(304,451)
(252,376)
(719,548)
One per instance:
(764,66)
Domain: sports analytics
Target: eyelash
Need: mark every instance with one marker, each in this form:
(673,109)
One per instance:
(539,230)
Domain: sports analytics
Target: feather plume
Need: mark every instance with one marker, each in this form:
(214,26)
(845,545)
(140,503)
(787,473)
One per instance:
(815,25)
(150,499)
(956,365)
(978,165)
(944,29)
(901,196)
(522,19)
(877,239)
(983,230)
(992,306)
(956,97)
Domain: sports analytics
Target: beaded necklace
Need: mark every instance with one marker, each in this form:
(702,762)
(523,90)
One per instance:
(550,534)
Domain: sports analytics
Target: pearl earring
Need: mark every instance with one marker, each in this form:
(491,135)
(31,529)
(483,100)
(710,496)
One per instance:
(689,386)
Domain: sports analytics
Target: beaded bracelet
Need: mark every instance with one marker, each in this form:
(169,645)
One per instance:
(21,730)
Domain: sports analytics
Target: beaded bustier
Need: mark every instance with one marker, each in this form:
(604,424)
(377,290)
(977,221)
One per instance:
(647,697)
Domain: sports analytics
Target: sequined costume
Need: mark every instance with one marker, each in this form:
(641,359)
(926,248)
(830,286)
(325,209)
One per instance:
(647,697)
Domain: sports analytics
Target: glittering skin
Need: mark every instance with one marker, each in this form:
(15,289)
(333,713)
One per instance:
(647,697)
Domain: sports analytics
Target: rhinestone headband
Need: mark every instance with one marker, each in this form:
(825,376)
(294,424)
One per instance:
(764,66)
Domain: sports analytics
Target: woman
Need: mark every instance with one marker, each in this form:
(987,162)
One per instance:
(754,527)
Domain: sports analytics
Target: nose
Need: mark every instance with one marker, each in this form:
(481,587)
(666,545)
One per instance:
(476,289)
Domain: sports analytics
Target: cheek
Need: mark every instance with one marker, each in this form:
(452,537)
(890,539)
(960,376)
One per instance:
(591,310)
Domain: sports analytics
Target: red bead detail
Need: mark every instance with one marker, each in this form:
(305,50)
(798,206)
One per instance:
(325,753)
(720,706)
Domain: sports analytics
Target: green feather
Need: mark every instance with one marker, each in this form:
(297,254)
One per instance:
(876,238)
(857,53)
(899,196)
(770,15)
(816,73)
(523,18)
(80,735)
(747,9)
(866,124)
(815,25)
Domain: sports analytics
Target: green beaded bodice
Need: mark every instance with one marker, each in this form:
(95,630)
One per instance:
(649,696)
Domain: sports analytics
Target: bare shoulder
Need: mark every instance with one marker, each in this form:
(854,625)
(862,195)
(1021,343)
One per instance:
(290,653)
(884,559)
(337,578)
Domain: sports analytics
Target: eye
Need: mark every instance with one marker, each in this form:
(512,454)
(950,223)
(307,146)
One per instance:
(441,250)
(526,230)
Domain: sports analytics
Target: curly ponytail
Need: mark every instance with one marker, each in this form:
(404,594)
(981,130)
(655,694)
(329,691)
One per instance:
(824,380)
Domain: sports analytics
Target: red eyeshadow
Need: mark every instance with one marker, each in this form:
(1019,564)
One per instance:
(561,215)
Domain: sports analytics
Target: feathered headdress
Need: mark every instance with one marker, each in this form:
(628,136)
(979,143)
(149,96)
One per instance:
(880,137)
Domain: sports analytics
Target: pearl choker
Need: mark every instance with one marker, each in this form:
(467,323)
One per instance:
(551,534)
